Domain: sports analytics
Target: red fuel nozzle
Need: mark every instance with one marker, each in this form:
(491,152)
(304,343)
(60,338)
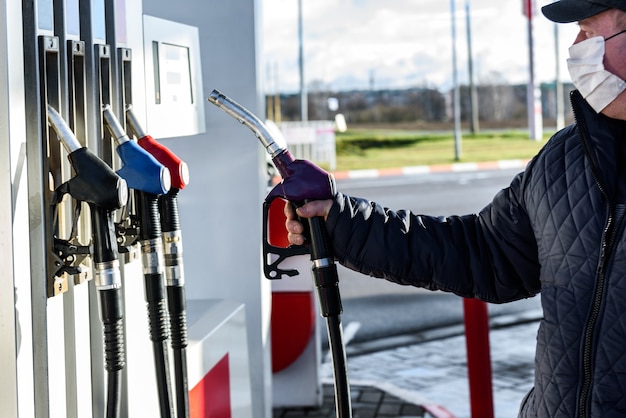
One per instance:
(178,168)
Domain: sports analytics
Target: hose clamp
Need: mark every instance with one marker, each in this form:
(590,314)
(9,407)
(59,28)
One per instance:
(108,275)
(173,254)
(172,242)
(322,263)
(151,254)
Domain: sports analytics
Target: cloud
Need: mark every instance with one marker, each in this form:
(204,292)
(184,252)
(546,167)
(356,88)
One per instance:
(403,43)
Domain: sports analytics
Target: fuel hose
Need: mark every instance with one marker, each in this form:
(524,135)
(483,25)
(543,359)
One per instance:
(173,257)
(149,179)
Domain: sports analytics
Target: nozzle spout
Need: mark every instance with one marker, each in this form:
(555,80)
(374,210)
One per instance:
(63,131)
(247,118)
(133,123)
(114,126)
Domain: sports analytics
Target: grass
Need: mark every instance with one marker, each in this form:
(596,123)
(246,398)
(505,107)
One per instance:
(378,149)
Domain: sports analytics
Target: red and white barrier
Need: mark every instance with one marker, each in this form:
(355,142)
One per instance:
(296,351)
(217,358)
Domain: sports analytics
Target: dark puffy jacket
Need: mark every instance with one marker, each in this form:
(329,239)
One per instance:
(557,229)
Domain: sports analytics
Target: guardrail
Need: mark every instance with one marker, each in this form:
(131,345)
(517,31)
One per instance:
(312,140)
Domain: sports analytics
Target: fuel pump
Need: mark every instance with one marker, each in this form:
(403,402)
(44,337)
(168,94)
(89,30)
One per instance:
(104,191)
(173,253)
(149,179)
(303,181)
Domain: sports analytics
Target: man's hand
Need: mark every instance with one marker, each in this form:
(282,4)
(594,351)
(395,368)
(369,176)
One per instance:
(295,229)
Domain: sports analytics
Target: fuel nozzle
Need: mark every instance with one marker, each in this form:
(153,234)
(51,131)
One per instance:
(303,181)
(140,169)
(177,167)
(94,181)
(301,178)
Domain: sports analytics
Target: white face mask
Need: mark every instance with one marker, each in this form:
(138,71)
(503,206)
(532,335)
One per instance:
(598,86)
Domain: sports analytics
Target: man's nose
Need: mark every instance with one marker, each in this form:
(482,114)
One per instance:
(580,37)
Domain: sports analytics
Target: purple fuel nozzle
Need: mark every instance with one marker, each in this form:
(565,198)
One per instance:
(302,181)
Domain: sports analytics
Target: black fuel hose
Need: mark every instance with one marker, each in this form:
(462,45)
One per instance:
(108,283)
(170,225)
(151,250)
(326,281)
(95,183)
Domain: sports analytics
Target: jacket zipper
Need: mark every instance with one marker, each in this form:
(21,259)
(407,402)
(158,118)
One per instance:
(615,216)
(608,240)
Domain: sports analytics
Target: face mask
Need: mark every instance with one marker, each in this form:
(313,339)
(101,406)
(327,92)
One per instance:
(598,86)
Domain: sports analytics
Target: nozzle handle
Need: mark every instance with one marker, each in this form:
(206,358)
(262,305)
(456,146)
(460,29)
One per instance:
(94,182)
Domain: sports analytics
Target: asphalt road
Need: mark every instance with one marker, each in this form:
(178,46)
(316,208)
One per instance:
(375,309)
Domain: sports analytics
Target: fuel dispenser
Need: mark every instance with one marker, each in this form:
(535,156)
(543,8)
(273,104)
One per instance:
(60,257)
(90,181)
(104,191)
(65,79)
(101,209)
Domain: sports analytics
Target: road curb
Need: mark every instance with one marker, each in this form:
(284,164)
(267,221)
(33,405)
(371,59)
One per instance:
(427,169)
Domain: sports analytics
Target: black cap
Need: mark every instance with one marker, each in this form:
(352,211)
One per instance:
(566,11)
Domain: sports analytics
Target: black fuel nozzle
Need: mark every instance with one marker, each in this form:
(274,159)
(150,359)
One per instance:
(94,181)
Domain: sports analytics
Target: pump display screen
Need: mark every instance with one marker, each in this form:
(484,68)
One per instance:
(172,74)
(173,77)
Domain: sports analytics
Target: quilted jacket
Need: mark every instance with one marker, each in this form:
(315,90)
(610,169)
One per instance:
(557,229)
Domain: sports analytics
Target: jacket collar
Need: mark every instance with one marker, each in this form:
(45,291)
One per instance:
(599,135)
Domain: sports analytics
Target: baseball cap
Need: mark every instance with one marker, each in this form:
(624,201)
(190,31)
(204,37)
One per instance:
(566,11)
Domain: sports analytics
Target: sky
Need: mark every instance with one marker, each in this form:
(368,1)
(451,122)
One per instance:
(359,44)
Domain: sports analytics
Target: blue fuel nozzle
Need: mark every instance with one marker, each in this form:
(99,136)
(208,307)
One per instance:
(139,168)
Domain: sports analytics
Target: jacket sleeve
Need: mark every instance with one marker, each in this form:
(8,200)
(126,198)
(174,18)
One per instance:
(491,256)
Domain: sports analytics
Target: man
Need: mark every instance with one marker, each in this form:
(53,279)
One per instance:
(557,229)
